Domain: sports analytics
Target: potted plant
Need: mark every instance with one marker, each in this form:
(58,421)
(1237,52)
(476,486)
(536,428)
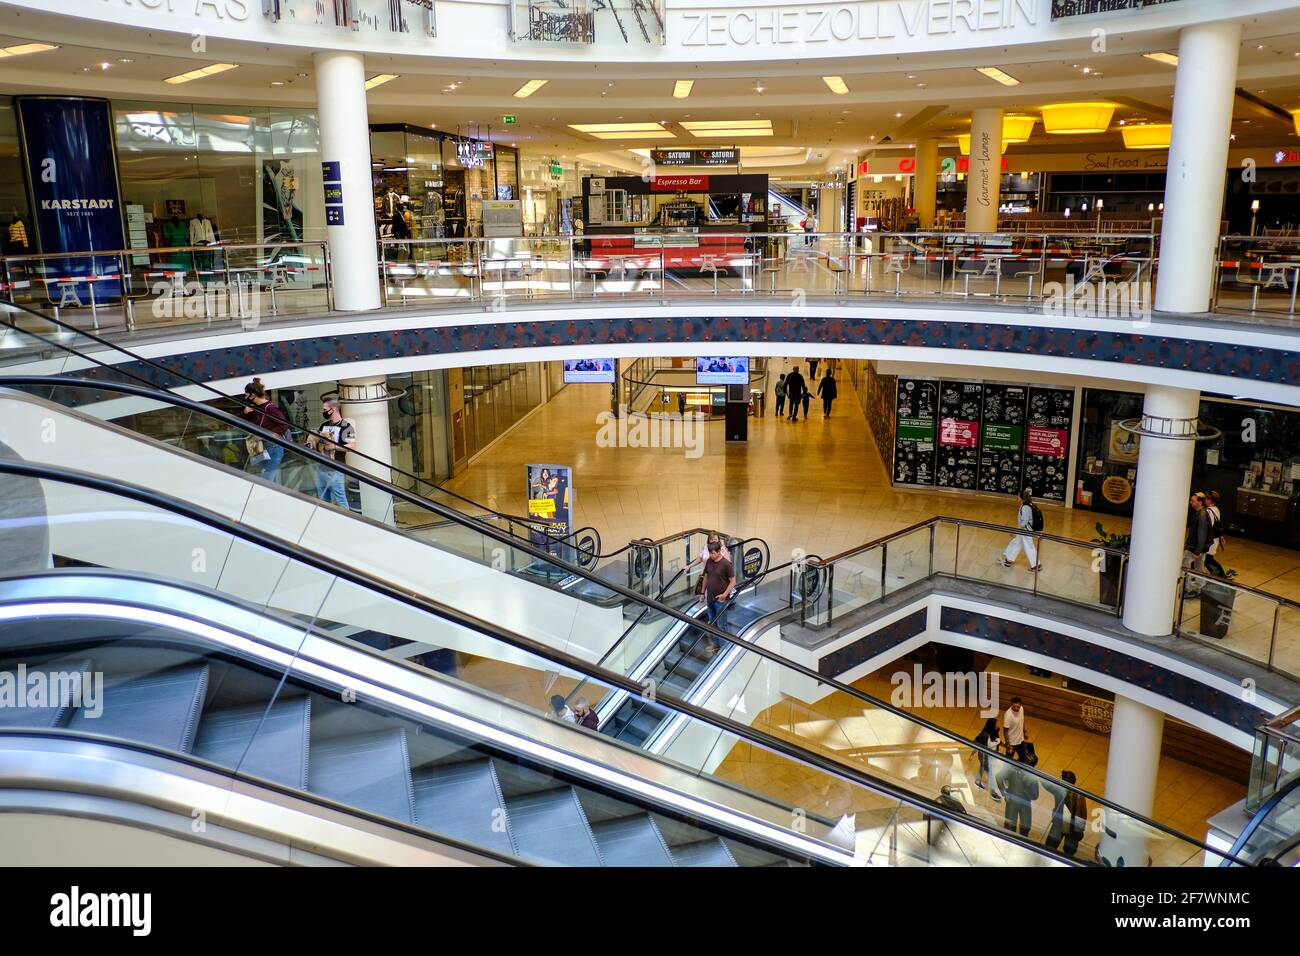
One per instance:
(1216,605)
(1108,573)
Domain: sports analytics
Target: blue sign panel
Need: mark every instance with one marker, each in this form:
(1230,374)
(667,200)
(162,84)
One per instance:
(76,207)
(333,194)
(330,172)
(333,215)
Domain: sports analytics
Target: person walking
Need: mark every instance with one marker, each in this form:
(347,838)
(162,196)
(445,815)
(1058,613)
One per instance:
(1197,544)
(719,581)
(337,435)
(1216,533)
(1029,519)
(1013,730)
(1066,834)
(828,389)
(264,413)
(987,737)
(1020,788)
(780,395)
(812,369)
(794,391)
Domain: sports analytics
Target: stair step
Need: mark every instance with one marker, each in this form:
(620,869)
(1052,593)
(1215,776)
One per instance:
(550,827)
(160,709)
(371,771)
(269,744)
(463,801)
(51,711)
(631,841)
(705,853)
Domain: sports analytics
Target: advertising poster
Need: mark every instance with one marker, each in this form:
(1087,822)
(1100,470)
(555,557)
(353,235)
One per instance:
(726,370)
(69,152)
(550,497)
(1002,439)
(589,370)
(960,408)
(914,437)
(282,218)
(1122,446)
(1047,441)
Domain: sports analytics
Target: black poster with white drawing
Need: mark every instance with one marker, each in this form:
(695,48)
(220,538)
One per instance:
(960,408)
(914,432)
(1047,441)
(1002,438)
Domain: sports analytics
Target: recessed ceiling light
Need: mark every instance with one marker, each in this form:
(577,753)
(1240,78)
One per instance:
(210,70)
(898,116)
(380,80)
(1171,59)
(623,130)
(277,82)
(682,89)
(993,73)
(125,59)
(836,84)
(23,49)
(734,129)
(529,88)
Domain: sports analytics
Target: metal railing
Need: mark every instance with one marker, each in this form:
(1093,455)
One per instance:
(1257,274)
(1242,622)
(1276,758)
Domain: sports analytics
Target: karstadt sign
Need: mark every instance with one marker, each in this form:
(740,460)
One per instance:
(846,22)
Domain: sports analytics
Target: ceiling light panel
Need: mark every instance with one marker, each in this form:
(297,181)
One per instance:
(380,80)
(682,89)
(210,70)
(836,84)
(529,88)
(993,73)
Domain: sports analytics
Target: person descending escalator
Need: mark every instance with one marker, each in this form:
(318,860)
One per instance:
(719,584)
(586,716)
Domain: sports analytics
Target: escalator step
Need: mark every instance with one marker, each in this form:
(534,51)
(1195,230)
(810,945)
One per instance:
(55,710)
(160,709)
(705,853)
(632,841)
(551,827)
(463,801)
(278,752)
(371,771)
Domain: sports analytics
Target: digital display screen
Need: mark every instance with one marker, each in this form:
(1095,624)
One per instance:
(577,371)
(727,370)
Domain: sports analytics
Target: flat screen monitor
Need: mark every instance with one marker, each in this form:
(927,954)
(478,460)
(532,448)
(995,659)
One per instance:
(589,370)
(722,370)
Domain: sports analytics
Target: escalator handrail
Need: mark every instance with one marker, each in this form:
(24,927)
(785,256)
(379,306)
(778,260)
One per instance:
(1258,820)
(613,679)
(628,593)
(262,433)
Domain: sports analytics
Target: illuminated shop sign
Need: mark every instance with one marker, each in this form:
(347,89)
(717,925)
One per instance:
(471,154)
(360,16)
(729,156)
(1081,8)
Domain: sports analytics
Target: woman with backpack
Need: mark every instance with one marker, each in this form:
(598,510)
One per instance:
(1211,499)
(264,413)
(1029,520)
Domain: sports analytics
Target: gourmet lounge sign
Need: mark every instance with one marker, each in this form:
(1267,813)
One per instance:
(848,22)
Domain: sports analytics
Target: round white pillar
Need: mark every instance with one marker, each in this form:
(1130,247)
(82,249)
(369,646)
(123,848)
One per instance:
(926,181)
(365,401)
(984,175)
(345,139)
(1164,481)
(1204,91)
(1132,762)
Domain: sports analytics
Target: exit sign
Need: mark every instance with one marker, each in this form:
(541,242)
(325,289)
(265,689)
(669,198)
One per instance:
(510,119)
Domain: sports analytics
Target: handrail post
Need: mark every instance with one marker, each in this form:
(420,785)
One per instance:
(830,594)
(884,567)
(930,573)
(573,288)
(1272,641)
(1120,589)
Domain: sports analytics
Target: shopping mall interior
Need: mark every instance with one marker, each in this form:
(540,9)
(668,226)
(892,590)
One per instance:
(510,433)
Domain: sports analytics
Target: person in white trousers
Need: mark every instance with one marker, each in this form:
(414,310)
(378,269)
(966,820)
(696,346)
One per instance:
(1025,522)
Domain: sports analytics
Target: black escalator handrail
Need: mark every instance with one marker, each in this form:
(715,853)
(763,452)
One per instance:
(292,552)
(154,393)
(1258,820)
(632,596)
(262,433)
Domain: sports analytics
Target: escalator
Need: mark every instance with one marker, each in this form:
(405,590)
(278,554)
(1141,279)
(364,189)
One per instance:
(245,681)
(663,642)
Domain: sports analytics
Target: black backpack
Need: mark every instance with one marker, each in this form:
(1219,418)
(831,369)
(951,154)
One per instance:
(1037,517)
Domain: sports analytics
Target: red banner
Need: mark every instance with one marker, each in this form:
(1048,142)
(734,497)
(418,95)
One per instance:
(1046,441)
(679,184)
(958,434)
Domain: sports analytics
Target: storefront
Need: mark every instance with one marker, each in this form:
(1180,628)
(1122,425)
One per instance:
(431,185)
(1254,464)
(703,214)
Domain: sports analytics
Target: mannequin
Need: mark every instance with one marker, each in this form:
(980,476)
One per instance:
(16,237)
(201,232)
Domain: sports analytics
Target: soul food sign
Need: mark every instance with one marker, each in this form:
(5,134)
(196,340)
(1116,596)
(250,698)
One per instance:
(865,20)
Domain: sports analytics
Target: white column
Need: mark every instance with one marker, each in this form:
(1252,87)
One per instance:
(1164,481)
(926,182)
(984,177)
(1136,735)
(365,401)
(345,139)
(1204,91)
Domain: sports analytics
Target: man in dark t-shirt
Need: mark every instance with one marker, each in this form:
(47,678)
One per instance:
(719,581)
